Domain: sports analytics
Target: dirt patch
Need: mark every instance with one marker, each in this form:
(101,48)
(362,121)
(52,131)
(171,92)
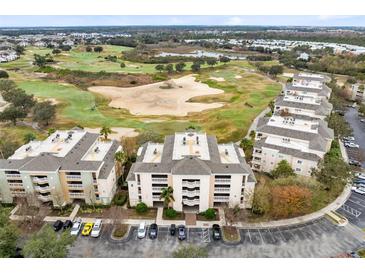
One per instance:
(218,79)
(152,100)
(117,132)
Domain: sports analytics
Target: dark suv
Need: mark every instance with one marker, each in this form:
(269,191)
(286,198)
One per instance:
(172,230)
(152,233)
(57,225)
(181,232)
(217,234)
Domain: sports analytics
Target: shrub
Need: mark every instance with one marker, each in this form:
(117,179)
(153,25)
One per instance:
(120,198)
(122,65)
(120,230)
(170,213)
(141,208)
(283,169)
(4,74)
(210,214)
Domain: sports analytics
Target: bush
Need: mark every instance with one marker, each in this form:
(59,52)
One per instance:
(141,208)
(120,230)
(170,213)
(122,65)
(283,169)
(210,214)
(4,74)
(120,198)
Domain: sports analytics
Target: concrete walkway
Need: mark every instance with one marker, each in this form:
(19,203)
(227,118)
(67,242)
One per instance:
(255,121)
(345,157)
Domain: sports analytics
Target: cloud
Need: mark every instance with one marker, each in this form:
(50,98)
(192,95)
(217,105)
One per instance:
(235,20)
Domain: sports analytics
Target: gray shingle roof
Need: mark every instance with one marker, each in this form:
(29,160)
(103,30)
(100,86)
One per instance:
(324,108)
(289,151)
(309,78)
(43,162)
(324,91)
(188,165)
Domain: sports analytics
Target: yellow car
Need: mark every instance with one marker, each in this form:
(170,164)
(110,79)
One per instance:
(87,229)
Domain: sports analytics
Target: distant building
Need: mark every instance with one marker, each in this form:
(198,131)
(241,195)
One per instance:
(358,92)
(67,166)
(202,173)
(303,56)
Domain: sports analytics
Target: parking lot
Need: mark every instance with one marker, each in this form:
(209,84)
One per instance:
(358,128)
(319,238)
(354,209)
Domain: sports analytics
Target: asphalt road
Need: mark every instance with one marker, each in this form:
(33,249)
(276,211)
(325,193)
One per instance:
(319,238)
(358,128)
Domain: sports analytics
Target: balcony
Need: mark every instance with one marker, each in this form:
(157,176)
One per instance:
(191,202)
(40,180)
(191,184)
(158,188)
(76,195)
(12,176)
(224,181)
(73,177)
(191,193)
(42,189)
(156,197)
(75,186)
(221,198)
(222,190)
(159,179)
(44,198)
(15,184)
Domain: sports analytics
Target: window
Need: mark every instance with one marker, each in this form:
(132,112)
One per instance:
(138,178)
(299,162)
(298,169)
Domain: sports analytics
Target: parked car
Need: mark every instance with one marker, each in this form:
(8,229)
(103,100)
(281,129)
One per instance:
(349,138)
(351,144)
(76,227)
(354,163)
(67,224)
(362,120)
(181,232)
(172,229)
(360,190)
(152,233)
(360,175)
(87,229)
(57,225)
(97,228)
(217,234)
(142,230)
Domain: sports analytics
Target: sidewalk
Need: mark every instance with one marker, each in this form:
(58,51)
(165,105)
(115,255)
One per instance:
(343,152)
(255,121)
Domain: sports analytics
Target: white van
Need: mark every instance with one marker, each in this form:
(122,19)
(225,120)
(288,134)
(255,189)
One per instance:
(96,228)
(142,230)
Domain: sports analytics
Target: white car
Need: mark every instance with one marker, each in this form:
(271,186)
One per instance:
(360,176)
(142,230)
(96,228)
(76,227)
(349,138)
(360,190)
(353,145)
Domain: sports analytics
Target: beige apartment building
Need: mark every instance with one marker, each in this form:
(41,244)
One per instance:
(202,173)
(68,166)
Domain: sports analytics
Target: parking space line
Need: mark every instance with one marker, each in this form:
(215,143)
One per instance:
(281,235)
(356,202)
(351,210)
(272,237)
(261,236)
(249,235)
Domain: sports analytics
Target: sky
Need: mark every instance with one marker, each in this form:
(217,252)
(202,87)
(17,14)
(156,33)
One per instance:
(112,20)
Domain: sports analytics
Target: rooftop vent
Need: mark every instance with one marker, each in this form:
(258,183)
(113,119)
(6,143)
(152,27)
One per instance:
(155,151)
(226,151)
(97,150)
(28,148)
(197,140)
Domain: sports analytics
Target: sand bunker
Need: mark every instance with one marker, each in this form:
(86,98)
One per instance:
(218,79)
(153,100)
(117,132)
(237,76)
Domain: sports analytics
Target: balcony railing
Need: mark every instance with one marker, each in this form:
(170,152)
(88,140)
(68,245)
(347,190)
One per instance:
(221,198)
(156,197)
(191,184)
(159,179)
(191,202)
(191,193)
(15,184)
(42,189)
(157,188)
(75,186)
(77,177)
(12,175)
(222,189)
(39,180)
(222,180)
(76,195)
(44,198)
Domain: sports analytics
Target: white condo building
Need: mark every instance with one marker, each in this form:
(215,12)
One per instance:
(67,166)
(297,131)
(202,173)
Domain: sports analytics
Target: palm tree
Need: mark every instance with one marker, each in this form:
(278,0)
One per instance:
(120,157)
(105,131)
(167,196)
